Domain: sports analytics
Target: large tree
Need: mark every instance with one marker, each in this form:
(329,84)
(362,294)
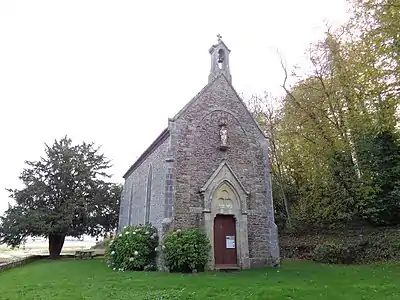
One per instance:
(334,143)
(65,193)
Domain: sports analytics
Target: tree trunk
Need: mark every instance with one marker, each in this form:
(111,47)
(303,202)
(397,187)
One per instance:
(56,242)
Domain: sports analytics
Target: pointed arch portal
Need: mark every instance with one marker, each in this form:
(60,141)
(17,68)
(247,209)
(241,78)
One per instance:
(225,219)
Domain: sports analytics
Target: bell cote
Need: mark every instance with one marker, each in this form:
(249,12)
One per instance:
(219,60)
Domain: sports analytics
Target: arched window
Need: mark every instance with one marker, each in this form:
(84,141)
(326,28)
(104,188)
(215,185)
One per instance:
(130,206)
(148,196)
(168,206)
(221,58)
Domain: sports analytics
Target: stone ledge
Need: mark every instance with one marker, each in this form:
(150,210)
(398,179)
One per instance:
(19,262)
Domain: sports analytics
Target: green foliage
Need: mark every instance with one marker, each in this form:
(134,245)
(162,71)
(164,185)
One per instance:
(332,253)
(379,156)
(344,247)
(65,193)
(135,248)
(383,248)
(300,251)
(187,250)
(364,251)
(334,136)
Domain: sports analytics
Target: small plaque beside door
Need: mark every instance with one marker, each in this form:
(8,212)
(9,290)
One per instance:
(230,242)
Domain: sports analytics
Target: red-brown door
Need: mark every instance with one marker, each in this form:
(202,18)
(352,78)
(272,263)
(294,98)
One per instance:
(225,241)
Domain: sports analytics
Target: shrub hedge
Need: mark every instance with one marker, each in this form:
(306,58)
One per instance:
(186,251)
(354,248)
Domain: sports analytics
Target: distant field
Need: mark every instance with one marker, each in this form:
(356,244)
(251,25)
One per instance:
(40,247)
(44,244)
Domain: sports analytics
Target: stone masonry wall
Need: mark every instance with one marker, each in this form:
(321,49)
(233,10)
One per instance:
(195,141)
(19,262)
(133,205)
(123,215)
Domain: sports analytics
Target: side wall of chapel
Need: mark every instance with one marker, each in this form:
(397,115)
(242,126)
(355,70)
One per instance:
(135,193)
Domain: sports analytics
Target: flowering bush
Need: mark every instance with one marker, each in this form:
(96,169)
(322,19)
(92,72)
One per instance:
(135,248)
(186,251)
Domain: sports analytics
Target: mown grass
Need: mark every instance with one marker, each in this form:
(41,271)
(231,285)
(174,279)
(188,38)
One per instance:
(71,279)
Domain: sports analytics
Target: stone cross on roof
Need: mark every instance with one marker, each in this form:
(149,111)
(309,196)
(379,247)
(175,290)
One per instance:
(219,37)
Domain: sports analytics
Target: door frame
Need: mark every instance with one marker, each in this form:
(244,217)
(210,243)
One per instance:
(240,215)
(224,175)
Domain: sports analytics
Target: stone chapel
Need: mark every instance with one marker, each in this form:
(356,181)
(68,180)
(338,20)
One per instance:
(209,169)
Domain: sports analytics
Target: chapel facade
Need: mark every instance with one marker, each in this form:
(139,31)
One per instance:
(209,169)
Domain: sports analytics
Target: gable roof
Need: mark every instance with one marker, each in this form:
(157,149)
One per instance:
(221,42)
(191,102)
(153,146)
(165,133)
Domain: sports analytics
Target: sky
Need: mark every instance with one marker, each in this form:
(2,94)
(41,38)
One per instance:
(113,72)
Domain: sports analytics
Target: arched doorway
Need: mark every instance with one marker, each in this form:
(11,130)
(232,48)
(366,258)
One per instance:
(225,254)
(225,219)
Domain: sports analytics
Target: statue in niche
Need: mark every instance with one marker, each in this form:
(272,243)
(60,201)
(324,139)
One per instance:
(224,135)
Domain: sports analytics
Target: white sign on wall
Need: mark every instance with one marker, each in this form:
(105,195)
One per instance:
(230,242)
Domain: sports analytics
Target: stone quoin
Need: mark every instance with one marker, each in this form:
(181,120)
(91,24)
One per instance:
(209,169)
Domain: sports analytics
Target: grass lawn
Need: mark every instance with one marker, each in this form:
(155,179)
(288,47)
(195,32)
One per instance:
(91,279)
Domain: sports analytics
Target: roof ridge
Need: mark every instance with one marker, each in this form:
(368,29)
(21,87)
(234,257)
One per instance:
(202,91)
(165,132)
(149,150)
(245,106)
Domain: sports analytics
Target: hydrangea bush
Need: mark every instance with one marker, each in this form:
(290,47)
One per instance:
(135,248)
(186,251)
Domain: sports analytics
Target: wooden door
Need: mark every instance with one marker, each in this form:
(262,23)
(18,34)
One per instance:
(225,241)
